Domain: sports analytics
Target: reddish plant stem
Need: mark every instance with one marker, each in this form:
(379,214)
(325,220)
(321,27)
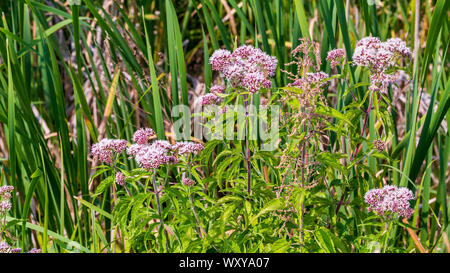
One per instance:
(156,191)
(247,149)
(366,118)
(414,237)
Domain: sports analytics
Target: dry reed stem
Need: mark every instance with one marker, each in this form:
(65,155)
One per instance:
(414,237)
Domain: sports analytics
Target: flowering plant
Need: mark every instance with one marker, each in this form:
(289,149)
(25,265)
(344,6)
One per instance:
(315,174)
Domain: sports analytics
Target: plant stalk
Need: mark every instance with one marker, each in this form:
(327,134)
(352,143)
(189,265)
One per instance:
(366,118)
(156,191)
(247,149)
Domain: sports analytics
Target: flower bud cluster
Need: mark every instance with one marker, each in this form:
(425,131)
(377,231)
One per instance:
(247,67)
(379,56)
(5,196)
(390,200)
(106,148)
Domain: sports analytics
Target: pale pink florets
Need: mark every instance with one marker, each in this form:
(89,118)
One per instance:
(151,157)
(133,149)
(220,59)
(253,81)
(6,191)
(379,56)
(142,135)
(335,56)
(247,67)
(399,46)
(163,144)
(185,148)
(5,195)
(217,89)
(390,199)
(105,149)
(207,99)
(223,109)
(120,179)
(379,145)
(382,79)
(5,206)
(234,73)
(244,52)
(188,182)
(372,53)
(368,41)
(4,247)
(35,250)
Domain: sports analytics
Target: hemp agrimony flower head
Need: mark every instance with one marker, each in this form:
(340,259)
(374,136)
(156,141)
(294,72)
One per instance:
(106,148)
(217,89)
(120,179)
(336,57)
(150,155)
(247,68)
(186,148)
(142,135)
(207,99)
(390,200)
(188,182)
(5,195)
(379,145)
(6,248)
(5,192)
(379,56)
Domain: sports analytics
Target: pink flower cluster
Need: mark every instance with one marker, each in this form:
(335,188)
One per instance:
(105,149)
(151,156)
(6,248)
(379,56)
(390,199)
(5,191)
(188,182)
(5,196)
(247,67)
(120,179)
(158,152)
(379,145)
(142,135)
(185,148)
(217,89)
(207,99)
(336,56)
